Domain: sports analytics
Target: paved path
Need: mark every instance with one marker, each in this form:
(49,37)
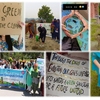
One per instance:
(4,91)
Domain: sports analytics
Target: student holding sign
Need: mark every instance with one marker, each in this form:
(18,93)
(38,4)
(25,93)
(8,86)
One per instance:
(7,43)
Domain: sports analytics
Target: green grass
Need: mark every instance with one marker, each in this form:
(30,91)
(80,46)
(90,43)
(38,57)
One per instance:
(95,90)
(93,20)
(95,30)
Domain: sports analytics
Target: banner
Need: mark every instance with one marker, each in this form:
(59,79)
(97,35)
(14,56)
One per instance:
(10,14)
(12,77)
(41,65)
(67,76)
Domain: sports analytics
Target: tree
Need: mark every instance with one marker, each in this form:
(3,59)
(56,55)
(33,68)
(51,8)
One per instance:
(45,14)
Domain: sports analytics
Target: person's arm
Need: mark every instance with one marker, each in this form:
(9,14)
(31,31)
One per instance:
(83,21)
(64,18)
(20,36)
(18,44)
(96,63)
(68,33)
(28,72)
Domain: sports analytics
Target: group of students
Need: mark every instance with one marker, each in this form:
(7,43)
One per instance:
(34,79)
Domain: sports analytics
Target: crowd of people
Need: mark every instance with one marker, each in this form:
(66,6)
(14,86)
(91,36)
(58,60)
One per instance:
(34,79)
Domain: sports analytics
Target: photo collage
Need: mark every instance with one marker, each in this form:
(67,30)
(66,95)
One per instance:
(48,50)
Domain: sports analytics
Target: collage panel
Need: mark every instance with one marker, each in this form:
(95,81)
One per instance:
(42,26)
(95,26)
(95,73)
(75,30)
(12,26)
(22,74)
(67,74)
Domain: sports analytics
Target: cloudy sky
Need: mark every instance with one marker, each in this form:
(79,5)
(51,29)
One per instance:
(31,9)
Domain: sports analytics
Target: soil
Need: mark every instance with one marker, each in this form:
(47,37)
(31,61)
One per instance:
(32,45)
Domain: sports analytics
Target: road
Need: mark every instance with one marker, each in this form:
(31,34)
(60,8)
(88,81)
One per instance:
(5,91)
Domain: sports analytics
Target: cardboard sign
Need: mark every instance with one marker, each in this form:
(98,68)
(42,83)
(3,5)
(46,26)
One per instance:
(67,76)
(10,14)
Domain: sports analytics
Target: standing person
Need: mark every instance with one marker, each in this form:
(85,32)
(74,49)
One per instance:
(18,64)
(28,77)
(29,27)
(55,28)
(58,29)
(7,65)
(31,61)
(40,30)
(13,66)
(52,29)
(35,78)
(44,31)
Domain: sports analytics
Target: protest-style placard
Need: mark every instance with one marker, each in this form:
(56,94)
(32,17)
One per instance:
(40,63)
(67,76)
(10,14)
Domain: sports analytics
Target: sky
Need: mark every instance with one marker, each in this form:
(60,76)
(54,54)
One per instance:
(32,8)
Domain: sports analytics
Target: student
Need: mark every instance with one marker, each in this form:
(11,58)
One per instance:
(43,35)
(42,31)
(7,43)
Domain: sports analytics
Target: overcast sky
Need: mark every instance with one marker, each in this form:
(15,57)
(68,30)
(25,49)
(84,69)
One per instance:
(31,9)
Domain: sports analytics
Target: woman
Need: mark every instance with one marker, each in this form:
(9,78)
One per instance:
(28,77)
(7,43)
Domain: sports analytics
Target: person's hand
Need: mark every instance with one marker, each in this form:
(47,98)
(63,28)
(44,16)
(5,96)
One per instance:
(3,37)
(64,28)
(26,70)
(21,24)
(76,12)
(72,12)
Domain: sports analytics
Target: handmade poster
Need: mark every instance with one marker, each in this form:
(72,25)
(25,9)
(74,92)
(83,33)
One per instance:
(10,14)
(40,62)
(67,76)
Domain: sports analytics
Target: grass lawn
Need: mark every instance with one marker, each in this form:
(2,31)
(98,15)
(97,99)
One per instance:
(95,91)
(95,29)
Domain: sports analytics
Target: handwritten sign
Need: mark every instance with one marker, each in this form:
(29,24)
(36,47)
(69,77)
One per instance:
(67,76)
(10,14)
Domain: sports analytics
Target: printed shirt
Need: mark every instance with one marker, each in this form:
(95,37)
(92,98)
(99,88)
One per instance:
(15,43)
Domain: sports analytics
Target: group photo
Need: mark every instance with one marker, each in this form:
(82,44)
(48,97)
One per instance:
(22,72)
